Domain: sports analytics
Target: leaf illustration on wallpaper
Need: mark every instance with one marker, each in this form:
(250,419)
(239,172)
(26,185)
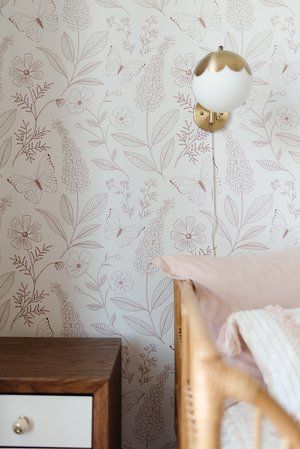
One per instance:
(5,151)
(289,139)
(289,71)
(4,313)
(167,154)
(67,47)
(260,207)
(2,4)
(218,224)
(53,223)
(290,235)
(93,207)
(197,187)
(231,211)
(130,399)
(34,25)
(6,283)
(295,155)
(172,445)
(111,4)
(115,67)
(276,3)
(155,4)
(230,42)
(259,44)
(162,292)
(5,43)
(140,161)
(127,304)
(128,140)
(124,235)
(55,61)
(42,181)
(44,328)
(95,45)
(7,119)
(67,210)
(208,18)
(166,319)
(270,165)
(139,326)
(104,329)
(253,232)
(164,126)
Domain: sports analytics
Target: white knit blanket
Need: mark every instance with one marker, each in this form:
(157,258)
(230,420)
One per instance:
(272,335)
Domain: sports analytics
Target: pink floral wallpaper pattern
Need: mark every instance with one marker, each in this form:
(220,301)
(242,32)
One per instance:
(102,169)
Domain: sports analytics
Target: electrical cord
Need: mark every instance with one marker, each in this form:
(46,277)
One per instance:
(214,194)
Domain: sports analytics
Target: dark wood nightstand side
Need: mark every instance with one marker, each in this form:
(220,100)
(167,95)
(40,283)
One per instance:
(68,366)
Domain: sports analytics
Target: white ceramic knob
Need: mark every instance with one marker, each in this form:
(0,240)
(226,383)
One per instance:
(21,425)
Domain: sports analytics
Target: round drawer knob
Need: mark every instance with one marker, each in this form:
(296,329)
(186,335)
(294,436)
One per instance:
(21,425)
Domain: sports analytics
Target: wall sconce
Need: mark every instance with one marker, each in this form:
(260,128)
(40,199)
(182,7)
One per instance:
(221,82)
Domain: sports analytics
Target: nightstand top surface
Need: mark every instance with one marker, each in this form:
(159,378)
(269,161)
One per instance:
(84,362)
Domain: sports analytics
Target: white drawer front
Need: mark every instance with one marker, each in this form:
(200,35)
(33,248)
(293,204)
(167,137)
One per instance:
(55,421)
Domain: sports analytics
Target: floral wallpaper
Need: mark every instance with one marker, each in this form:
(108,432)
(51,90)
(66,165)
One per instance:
(102,169)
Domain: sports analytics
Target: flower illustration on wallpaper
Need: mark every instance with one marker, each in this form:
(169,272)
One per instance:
(121,118)
(75,174)
(79,100)
(240,14)
(150,90)
(287,25)
(120,282)
(239,173)
(23,232)
(25,71)
(289,235)
(286,118)
(149,422)
(76,14)
(186,233)
(78,263)
(183,70)
(207,18)
(151,245)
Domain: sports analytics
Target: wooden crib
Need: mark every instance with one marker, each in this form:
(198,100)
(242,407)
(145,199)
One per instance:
(204,381)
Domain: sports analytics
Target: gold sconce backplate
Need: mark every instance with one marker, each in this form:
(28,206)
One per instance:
(208,120)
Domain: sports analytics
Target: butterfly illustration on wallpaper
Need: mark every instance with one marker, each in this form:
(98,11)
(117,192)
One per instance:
(208,18)
(116,67)
(290,235)
(281,67)
(197,187)
(124,235)
(35,24)
(44,328)
(43,180)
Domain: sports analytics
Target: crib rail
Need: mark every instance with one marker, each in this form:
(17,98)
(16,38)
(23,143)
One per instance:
(203,381)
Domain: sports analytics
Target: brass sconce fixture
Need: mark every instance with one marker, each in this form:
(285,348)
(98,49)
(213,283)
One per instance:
(221,83)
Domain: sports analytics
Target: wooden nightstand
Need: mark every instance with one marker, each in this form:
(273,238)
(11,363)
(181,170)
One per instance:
(60,392)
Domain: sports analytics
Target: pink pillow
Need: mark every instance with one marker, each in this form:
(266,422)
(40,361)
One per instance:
(229,284)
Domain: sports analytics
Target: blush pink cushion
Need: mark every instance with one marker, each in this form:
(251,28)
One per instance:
(228,284)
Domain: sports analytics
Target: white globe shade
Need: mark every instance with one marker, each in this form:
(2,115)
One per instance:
(222,81)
